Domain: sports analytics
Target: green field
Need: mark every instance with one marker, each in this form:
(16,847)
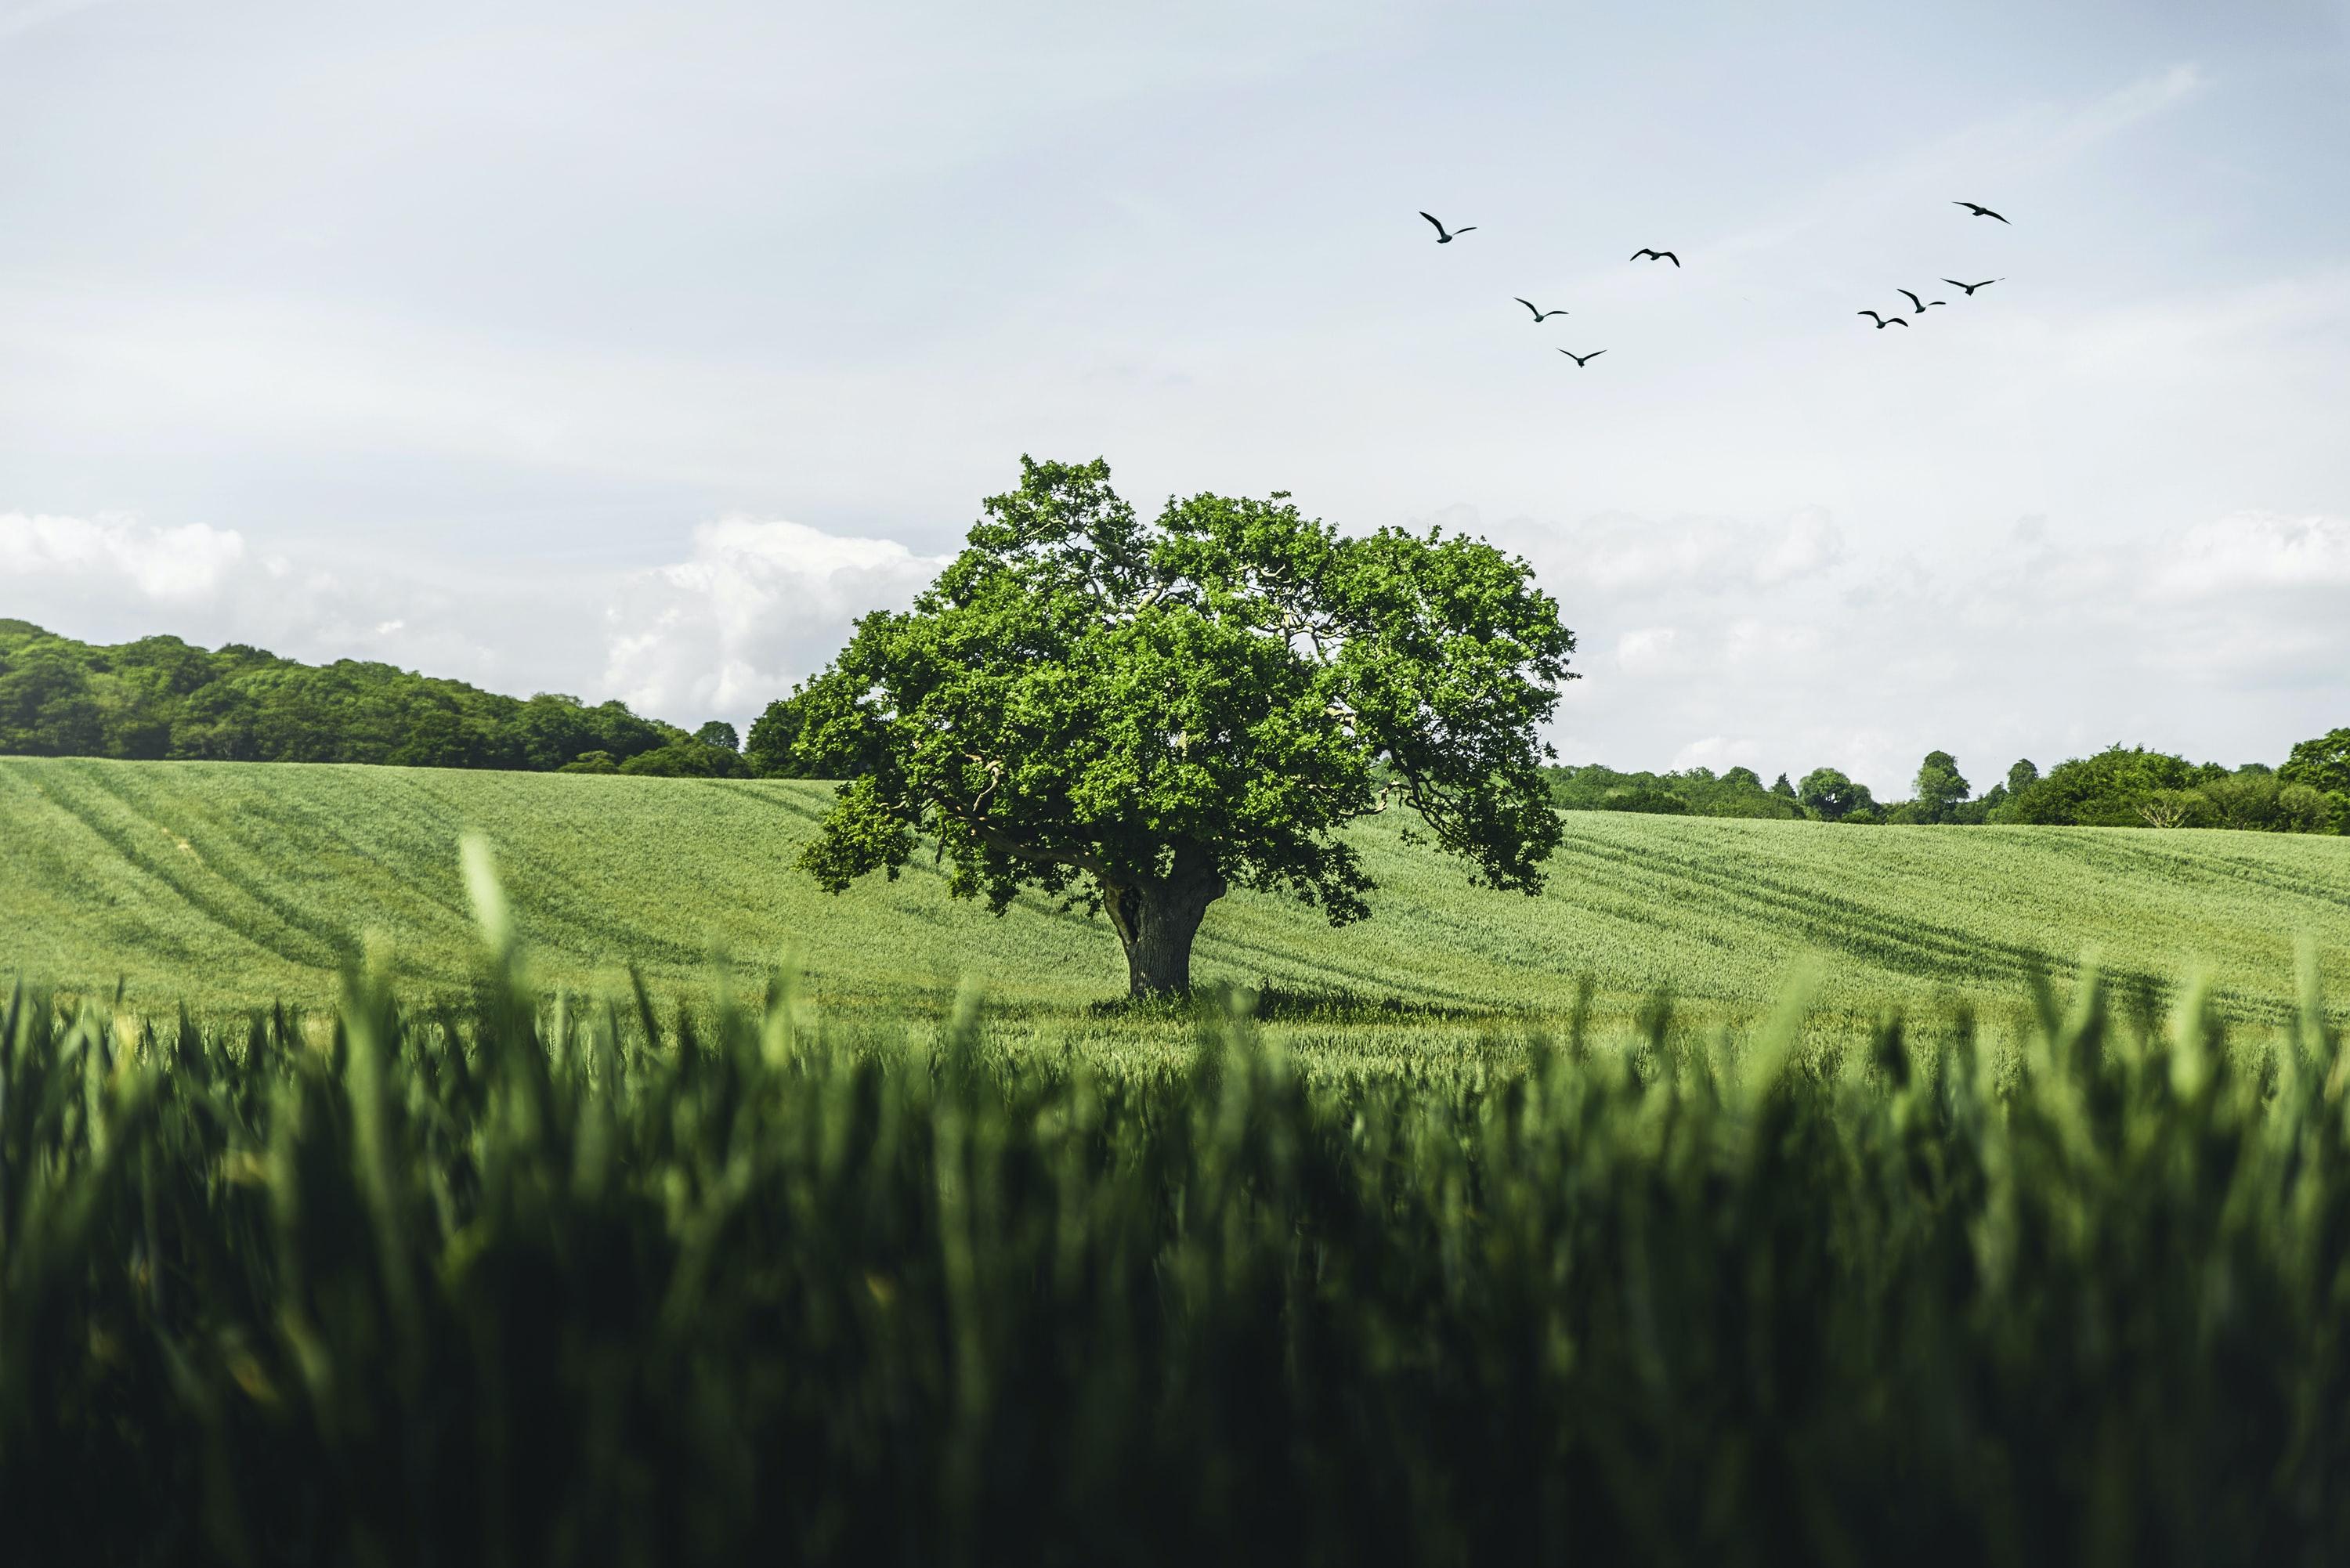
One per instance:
(224,884)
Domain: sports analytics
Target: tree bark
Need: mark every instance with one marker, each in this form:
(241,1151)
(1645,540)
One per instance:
(1156,919)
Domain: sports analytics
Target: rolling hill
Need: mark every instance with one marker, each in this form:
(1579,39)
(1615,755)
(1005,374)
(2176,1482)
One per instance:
(230,884)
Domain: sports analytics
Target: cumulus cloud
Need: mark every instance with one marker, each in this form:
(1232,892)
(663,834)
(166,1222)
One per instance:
(753,606)
(1618,555)
(2252,550)
(112,554)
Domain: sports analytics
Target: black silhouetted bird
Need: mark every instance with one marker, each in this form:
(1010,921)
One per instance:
(1657,255)
(1883,322)
(1971,288)
(1443,236)
(1980,211)
(1540,316)
(1920,304)
(1582,360)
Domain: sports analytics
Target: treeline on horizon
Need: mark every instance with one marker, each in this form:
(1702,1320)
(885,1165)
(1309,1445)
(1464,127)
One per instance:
(2121,786)
(161,698)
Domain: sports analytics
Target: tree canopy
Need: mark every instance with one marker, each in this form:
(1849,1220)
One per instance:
(2322,764)
(1829,794)
(1139,717)
(1939,786)
(771,748)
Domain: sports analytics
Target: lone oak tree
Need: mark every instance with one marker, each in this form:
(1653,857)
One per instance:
(1140,717)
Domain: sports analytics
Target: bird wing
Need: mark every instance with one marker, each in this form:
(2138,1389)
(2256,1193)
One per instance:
(1954,283)
(1870,314)
(1637,254)
(1593,354)
(1431,218)
(1987,213)
(1898,321)
(1911,298)
(1528,304)
(1464,229)
(1670,257)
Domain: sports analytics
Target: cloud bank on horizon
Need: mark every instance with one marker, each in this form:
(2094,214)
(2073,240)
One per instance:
(500,347)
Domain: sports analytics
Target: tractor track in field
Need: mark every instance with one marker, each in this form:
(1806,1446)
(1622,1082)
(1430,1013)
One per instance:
(1902,945)
(238,924)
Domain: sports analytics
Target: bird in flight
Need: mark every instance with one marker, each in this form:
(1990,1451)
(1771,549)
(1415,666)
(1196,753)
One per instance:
(1882,321)
(1979,210)
(1582,360)
(1920,304)
(1444,236)
(1971,288)
(1540,316)
(1657,255)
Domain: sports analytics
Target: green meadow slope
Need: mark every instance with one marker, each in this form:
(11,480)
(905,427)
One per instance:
(224,884)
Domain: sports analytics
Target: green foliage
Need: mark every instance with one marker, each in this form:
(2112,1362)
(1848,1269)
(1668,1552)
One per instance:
(2323,764)
(591,762)
(161,698)
(1939,788)
(2110,789)
(2256,800)
(719,733)
(624,1285)
(687,759)
(772,749)
(2138,788)
(1655,802)
(1139,717)
(1695,791)
(1829,795)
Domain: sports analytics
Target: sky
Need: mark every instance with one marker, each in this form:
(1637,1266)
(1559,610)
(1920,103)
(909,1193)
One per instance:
(599,349)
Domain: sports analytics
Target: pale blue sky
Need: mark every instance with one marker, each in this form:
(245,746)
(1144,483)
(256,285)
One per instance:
(588,347)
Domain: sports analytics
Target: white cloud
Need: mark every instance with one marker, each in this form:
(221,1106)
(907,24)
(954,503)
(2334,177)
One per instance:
(1721,753)
(1617,556)
(754,607)
(2253,550)
(65,554)
(1647,649)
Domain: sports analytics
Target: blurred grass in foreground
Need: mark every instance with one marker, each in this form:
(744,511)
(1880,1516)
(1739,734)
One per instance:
(521,1282)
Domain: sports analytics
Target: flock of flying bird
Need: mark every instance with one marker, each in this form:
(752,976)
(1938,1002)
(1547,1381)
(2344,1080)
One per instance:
(1918,307)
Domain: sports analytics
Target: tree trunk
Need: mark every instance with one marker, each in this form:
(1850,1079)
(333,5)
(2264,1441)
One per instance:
(1156,919)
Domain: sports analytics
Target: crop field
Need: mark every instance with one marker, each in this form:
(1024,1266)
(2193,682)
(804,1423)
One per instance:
(528,1283)
(227,885)
(1753,1163)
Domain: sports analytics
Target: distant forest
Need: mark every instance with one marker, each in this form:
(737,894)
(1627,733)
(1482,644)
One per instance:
(2117,787)
(161,697)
